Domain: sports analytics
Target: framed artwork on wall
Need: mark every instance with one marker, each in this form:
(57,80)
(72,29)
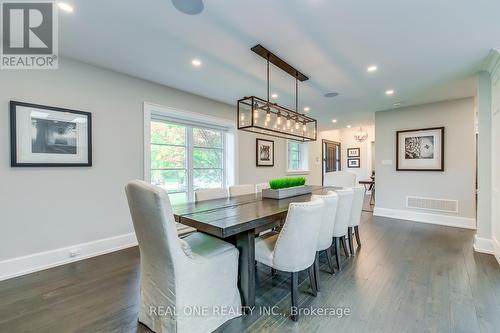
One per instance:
(353,163)
(420,149)
(264,152)
(353,152)
(46,136)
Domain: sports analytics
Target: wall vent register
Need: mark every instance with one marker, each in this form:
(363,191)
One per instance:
(440,205)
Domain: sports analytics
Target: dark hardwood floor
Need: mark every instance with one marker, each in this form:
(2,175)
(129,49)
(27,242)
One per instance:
(406,277)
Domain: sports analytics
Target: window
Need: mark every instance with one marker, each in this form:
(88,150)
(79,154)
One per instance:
(298,157)
(186,158)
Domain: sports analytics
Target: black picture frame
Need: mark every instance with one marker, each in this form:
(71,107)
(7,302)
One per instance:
(258,161)
(441,147)
(349,160)
(13,136)
(353,152)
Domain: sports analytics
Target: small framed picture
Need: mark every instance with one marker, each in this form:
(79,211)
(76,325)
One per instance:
(420,149)
(265,153)
(353,152)
(353,163)
(45,136)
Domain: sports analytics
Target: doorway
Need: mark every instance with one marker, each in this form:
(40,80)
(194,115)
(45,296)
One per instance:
(331,158)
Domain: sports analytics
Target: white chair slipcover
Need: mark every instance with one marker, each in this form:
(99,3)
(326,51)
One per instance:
(326,232)
(345,197)
(293,249)
(196,272)
(210,194)
(340,179)
(241,190)
(355,216)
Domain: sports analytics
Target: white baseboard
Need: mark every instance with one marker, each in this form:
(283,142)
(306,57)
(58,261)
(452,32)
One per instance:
(483,245)
(39,261)
(446,220)
(496,249)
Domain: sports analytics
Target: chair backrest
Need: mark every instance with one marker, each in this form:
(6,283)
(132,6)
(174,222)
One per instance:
(343,212)
(357,205)
(328,222)
(155,228)
(261,186)
(210,194)
(340,178)
(295,248)
(241,190)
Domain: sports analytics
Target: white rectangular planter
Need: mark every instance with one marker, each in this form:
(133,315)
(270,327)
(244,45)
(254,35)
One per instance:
(286,192)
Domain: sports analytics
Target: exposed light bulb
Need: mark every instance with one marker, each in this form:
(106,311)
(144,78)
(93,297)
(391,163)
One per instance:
(278,121)
(256,114)
(288,123)
(268,116)
(296,125)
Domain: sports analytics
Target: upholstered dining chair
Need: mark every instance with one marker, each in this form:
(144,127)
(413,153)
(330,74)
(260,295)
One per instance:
(342,222)
(340,179)
(210,194)
(261,186)
(293,249)
(326,232)
(195,272)
(236,190)
(355,217)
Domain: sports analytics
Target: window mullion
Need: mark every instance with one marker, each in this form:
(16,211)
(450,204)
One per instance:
(189,167)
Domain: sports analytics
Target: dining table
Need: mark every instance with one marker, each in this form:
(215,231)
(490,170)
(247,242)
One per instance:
(236,220)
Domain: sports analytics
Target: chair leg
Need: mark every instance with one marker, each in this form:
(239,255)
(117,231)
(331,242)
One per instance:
(273,271)
(330,260)
(295,292)
(316,271)
(349,238)
(344,245)
(312,280)
(336,242)
(356,231)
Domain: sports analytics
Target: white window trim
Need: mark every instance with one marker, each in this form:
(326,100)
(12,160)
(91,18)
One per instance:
(230,144)
(305,171)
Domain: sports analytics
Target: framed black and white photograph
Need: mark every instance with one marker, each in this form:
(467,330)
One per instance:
(420,149)
(353,152)
(45,136)
(265,152)
(353,163)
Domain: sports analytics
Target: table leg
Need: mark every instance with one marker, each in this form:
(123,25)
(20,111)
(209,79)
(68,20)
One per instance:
(245,242)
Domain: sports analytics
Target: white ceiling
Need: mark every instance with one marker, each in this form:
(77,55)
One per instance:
(426,50)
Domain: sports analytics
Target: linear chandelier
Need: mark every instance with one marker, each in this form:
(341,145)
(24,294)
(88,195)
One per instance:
(261,116)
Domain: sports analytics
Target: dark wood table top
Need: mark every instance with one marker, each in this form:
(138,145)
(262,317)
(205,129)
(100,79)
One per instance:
(229,216)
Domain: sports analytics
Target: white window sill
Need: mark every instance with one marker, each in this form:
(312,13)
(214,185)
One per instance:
(297,172)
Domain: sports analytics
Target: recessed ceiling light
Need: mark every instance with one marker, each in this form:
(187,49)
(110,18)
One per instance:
(196,62)
(334,121)
(64,6)
(307,109)
(348,126)
(372,68)
(274,95)
(389,92)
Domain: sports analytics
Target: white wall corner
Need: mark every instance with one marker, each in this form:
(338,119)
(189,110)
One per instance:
(492,62)
(437,219)
(483,245)
(43,260)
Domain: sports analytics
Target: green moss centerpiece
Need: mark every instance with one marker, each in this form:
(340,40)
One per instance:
(281,188)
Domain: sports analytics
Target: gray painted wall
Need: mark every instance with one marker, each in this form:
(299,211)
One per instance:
(456,182)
